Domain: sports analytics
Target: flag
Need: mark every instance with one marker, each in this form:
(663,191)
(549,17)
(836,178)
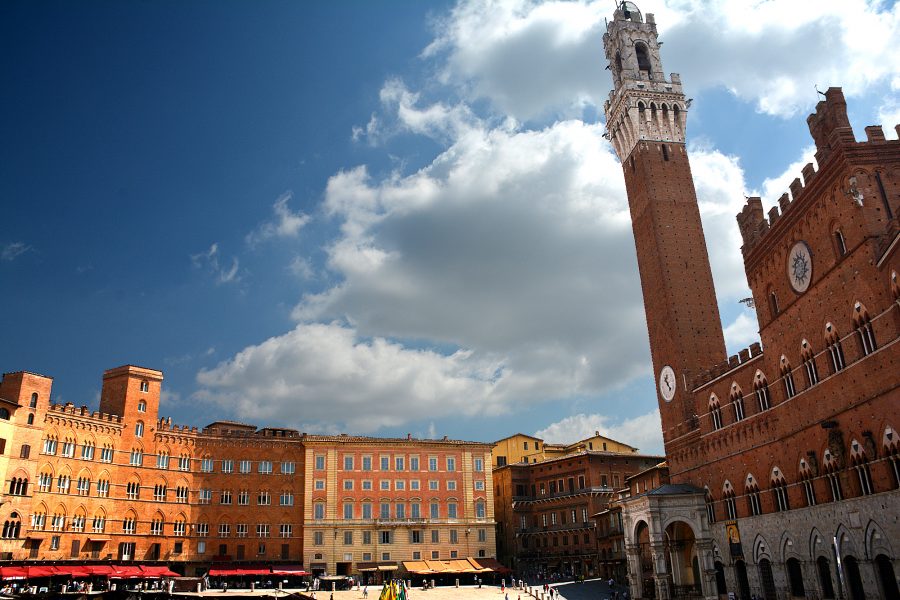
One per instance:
(401,593)
(386,592)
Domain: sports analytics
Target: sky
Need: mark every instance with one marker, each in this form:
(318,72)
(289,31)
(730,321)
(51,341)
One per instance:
(383,217)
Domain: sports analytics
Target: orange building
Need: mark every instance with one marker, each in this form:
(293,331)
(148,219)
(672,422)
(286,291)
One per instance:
(122,484)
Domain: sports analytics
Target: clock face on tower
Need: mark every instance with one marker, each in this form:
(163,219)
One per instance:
(799,267)
(667,383)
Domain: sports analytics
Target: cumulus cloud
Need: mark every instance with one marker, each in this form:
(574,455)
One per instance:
(741,332)
(643,431)
(531,59)
(285,222)
(209,260)
(14,250)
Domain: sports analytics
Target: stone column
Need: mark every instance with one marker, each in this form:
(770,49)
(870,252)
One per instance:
(707,569)
(661,576)
(633,560)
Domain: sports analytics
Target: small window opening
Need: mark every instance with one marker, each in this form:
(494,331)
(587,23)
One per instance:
(34,399)
(841,244)
(773,303)
(665,150)
(643,57)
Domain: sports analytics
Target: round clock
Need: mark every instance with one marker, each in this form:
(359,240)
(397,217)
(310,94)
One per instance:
(667,383)
(799,267)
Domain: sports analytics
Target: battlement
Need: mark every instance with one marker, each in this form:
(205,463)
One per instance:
(82,411)
(734,361)
(829,125)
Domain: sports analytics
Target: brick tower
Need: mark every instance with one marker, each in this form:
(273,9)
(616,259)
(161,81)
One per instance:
(645,121)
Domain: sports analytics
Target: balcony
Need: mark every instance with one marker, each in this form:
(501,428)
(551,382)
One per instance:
(526,500)
(558,528)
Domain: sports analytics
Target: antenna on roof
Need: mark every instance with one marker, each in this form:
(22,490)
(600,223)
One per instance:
(817,90)
(748,301)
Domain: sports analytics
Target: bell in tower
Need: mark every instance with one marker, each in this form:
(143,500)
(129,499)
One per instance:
(645,122)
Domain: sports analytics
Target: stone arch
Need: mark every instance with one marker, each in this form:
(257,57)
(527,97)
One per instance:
(788,548)
(846,543)
(877,542)
(761,548)
(817,545)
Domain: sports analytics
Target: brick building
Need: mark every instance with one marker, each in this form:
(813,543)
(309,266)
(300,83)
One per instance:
(783,462)
(123,485)
(544,510)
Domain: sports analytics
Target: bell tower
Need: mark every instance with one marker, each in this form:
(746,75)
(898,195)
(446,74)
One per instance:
(645,122)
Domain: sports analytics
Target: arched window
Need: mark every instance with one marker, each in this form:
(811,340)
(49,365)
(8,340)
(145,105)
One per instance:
(139,429)
(860,463)
(715,412)
(641,107)
(737,400)
(835,351)
(643,57)
(31,419)
(142,406)
(839,243)
(779,490)
(795,578)
(831,467)
(806,478)
(891,444)
(773,304)
(809,363)
(12,526)
(618,64)
(34,399)
(730,504)
(752,490)
(863,325)
(710,507)
(761,389)
(787,375)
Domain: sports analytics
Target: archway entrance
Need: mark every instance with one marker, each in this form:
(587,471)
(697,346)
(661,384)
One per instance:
(740,569)
(721,586)
(768,580)
(795,578)
(825,577)
(887,578)
(642,537)
(681,557)
(854,580)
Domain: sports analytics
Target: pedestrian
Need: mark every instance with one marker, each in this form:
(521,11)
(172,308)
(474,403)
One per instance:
(366,591)
(506,597)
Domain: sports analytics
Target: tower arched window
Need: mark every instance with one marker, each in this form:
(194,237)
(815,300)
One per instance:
(860,463)
(835,350)
(142,406)
(773,304)
(730,504)
(761,389)
(780,490)
(891,444)
(642,53)
(31,419)
(787,376)
(139,429)
(863,325)
(618,64)
(809,363)
(715,412)
(737,401)
(753,501)
(34,399)
(710,507)
(831,466)
(806,478)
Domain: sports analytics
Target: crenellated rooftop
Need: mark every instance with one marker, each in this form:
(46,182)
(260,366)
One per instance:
(735,361)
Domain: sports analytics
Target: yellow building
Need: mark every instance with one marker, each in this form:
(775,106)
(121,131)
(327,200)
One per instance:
(522,448)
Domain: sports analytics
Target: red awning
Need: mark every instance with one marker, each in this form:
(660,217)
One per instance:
(73,571)
(126,572)
(13,573)
(35,572)
(238,572)
(100,569)
(293,570)
(154,572)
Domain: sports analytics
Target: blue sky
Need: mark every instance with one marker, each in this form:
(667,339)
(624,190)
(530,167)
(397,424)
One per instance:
(381,217)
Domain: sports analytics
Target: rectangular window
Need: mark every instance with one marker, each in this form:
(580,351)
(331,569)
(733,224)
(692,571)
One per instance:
(348,484)
(286,530)
(451,463)
(367,539)
(400,484)
(262,530)
(106,454)
(87,452)
(319,510)
(265,467)
(451,486)
(206,465)
(451,510)
(225,498)
(245,466)
(482,535)
(162,461)
(348,538)
(384,484)
(415,510)
(414,484)
(479,485)
(286,499)
(137,458)
(432,463)
(263,499)
(413,463)
(415,536)
(385,536)
(184,463)
(454,536)
(320,462)
(243,498)
(366,463)
(435,536)
(320,484)
(224,530)
(103,488)
(348,462)
(435,510)
(434,485)
(479,464)
(385,463)
(205,496)
(400,509)
(202,529)
(241,530)
(156,527)
(367,484)
(385,511)
(181,494)
(366,510)
(348,510)
(399,463)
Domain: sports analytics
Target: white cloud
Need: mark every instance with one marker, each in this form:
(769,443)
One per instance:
(209,260)
(643,431)
(302,267)
(531,58)
(774,187)
(285,223)
(321,376)
(14,250)
(741,332)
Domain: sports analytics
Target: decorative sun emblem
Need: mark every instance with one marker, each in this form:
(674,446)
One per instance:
(800,267)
